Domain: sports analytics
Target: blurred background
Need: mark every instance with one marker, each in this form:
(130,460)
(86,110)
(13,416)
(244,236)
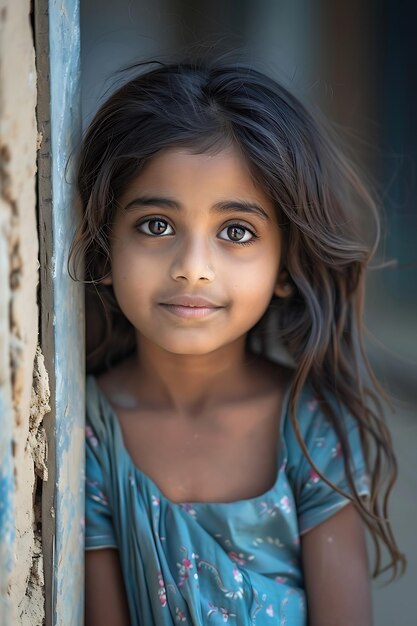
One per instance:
(357,62)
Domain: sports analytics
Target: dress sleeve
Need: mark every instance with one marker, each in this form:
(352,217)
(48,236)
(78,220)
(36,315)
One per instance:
(316,500)
(99,531)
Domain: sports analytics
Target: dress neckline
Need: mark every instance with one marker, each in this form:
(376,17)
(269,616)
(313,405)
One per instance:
(281,454)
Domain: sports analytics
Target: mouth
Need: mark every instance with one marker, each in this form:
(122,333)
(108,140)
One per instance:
(190,312)
(190,307)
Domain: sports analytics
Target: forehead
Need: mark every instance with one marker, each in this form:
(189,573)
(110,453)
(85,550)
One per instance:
(189,177)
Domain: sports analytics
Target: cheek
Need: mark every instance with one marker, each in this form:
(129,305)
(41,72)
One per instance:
(129,279)
(256,278)
(129,267)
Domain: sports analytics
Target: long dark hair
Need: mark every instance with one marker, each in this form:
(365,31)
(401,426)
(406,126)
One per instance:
(322,206)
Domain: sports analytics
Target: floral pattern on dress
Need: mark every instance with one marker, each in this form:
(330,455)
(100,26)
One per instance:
(162,593)
(237,575)
(240,557)
(188,508)
(214,610)
(266,508)
(184,568)
(97,495)
(275,541)
(285,504)
(180,616)
(249,572)
(233,594)
(91,436)
(283,613)
(281,580)
(313,477)
(337,451)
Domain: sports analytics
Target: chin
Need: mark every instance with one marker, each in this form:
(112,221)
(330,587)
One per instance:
(193,349)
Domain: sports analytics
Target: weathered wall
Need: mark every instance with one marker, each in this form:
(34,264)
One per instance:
(18,308)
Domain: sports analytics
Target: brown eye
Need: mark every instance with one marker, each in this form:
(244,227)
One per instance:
(155,227)
(236,233)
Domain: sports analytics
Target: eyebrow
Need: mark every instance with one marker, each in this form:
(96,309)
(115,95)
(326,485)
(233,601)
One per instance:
(227,206)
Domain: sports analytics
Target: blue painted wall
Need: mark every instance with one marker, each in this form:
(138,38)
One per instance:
(68,323)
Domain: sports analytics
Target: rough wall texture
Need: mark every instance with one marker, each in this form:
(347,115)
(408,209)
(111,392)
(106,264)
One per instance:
(18,148)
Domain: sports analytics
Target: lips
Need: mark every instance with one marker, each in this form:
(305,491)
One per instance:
(191,301)
(190,307)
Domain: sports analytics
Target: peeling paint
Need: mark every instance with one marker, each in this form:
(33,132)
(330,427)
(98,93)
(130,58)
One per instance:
(21,563)
(39,407)
(31,607)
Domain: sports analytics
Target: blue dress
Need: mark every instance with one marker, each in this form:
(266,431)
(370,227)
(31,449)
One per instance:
(199,563)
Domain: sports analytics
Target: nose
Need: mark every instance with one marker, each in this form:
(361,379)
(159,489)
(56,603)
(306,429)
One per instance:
(192,262)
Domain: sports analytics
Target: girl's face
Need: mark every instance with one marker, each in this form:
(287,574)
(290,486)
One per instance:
(195,251)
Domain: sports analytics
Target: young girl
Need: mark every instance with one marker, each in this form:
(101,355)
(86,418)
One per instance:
(222,230)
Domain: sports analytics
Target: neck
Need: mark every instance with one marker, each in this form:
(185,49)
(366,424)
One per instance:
(190,383)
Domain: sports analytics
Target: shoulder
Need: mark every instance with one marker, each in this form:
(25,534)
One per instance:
(103,393)
(320,461)
(322,443)
(313,421)
(111,381)
(99,418)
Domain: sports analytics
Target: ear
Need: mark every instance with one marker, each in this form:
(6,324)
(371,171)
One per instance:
(284,287)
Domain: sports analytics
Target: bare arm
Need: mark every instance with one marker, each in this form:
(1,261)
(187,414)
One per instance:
(105,595)
(336,571)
